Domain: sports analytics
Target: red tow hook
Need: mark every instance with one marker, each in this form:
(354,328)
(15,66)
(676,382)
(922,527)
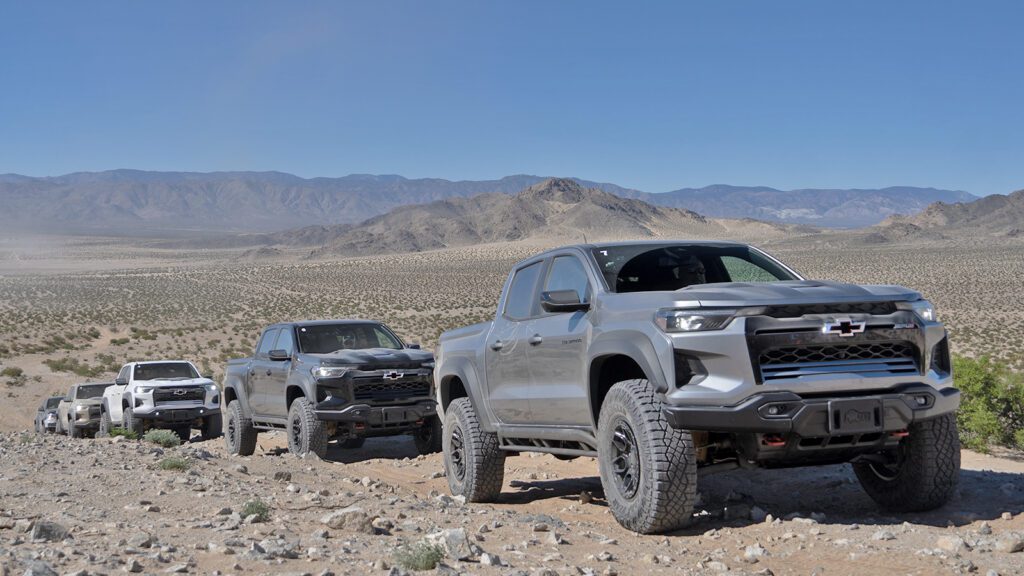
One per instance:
(899,434)
(773,440)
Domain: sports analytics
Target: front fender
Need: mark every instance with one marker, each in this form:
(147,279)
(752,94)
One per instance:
(463,369)
(644,349)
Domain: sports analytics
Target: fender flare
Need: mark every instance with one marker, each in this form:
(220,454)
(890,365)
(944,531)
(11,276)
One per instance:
(465,370)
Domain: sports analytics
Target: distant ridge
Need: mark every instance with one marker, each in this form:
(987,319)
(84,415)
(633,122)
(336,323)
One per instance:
(137,201)
(988,216)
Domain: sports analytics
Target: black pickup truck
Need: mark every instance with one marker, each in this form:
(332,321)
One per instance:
(324,379)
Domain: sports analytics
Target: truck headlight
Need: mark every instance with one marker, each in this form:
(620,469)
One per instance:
(330,371)
(924,309)
(673,320)
(81,408)
(211,387)
(429,364)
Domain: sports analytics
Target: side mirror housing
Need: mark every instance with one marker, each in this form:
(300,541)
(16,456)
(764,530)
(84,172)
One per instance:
(413,346)
(562,301)
(279,355)
(121,382)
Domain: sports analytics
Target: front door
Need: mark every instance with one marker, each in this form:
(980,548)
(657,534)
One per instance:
(557,351)
(259,372)
(505,355)
(274,383)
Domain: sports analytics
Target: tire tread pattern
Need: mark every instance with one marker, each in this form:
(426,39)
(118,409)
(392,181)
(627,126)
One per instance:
(315,433)
(244,442)
(484,459)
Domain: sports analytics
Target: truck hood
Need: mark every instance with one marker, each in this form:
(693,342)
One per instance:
(88,402)
(732,294)
(158,383)
(384,357)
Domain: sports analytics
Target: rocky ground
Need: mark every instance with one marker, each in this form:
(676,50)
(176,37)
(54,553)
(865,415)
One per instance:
(107,506)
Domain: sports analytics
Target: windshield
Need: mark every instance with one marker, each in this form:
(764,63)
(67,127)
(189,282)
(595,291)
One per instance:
(648,268)
(93,391)
(327,338)
(165,371)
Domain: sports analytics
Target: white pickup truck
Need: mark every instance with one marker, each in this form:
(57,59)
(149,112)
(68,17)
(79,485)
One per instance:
(163,394)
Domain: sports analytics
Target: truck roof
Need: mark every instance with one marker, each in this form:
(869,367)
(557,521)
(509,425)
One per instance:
(160,362)
(301,323)
(662,242)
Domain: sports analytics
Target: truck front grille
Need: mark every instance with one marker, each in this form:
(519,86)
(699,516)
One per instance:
(867,359)
(179,394)
(384,391)
(799,310)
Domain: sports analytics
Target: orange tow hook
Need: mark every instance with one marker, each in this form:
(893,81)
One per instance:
(899,434)
(773,440)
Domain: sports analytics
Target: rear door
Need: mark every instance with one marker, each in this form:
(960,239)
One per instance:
(260,371)
(113,394)
(505,360)
(557,350)
(273,383)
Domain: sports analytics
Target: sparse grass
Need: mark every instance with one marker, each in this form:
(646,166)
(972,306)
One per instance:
(421,555)
(256,507)
(12,372)
(129,434)
(160,437)
(174,463)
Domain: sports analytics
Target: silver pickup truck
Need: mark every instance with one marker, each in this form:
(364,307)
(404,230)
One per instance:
(663,359)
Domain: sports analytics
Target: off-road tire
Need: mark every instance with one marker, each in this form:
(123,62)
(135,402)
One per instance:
(926,471)
(184,433)
(105,425)
(473,462)
(239,435)
(352,443)
(74,431)
(306,433)
(213,427)
(38,427)
(429,438)
(133,424)
(653,458)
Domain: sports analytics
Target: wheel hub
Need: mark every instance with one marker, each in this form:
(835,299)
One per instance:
(625,459)
(456,455)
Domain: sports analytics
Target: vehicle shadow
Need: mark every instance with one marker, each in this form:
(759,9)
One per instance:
(389,448)
(831,493)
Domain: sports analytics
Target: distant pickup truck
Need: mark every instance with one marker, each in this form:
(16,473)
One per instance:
(345,379)
(78,414)
(162,394)
(662,358)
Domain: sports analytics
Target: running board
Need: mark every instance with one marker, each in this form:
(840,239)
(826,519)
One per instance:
(559,447)
(270,424)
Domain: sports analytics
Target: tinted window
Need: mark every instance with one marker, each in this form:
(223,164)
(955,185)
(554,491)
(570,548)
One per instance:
(123,374)
(327,338)
(285,341)
(646,267)
(741,270)
(520,300)
(94,391)
(267,343)
(52,402)
(165,371)
(567,273)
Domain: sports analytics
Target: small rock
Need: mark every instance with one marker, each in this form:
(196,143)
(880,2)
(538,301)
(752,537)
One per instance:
(754,553)
(133,566)
(37,568)
(586,497)
(283,476)
(45,531)
(952,543)
(1006,516)
(984,529)
(353,519)
(883,535)
(454,541)
(541,527)
(241,469)
(1010,543)
(490,560)
(757,514)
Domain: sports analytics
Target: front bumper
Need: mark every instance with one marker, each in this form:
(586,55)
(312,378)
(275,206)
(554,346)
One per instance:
(887,411)
(336,410)
(181,415)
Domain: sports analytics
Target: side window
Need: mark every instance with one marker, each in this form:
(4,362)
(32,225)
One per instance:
(567,273)
(741,270)
(123,374)
(519,302)
(267,343)
(285,341)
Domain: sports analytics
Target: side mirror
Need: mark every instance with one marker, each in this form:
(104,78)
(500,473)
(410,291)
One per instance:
(279,355)
(121,382)
(413,346)
(562,301)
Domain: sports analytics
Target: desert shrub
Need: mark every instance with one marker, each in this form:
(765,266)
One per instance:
(258,508)
(12,372)
(421,555)
(129,434)
(165,438)
(119,341)
(992,403)
(175,463)
(74,366)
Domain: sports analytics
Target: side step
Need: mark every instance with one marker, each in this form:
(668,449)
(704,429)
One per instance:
(559,447)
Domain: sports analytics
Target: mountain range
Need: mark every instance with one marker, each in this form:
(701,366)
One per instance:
(141,202)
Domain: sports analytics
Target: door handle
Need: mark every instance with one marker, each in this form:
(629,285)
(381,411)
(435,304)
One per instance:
(535,339)
(252,372)
(268,371)
(497,345)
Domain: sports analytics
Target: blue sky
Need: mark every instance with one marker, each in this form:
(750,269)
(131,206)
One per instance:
(652,95)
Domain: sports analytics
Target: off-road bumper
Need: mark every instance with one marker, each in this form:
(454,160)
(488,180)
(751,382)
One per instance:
(821,415)
(177,415)
(337,410)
